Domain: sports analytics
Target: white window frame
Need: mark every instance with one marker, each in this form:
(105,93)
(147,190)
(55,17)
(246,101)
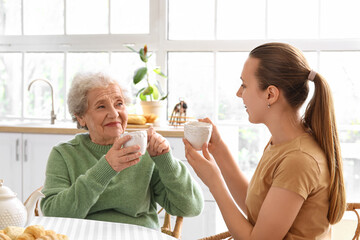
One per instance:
(157,41)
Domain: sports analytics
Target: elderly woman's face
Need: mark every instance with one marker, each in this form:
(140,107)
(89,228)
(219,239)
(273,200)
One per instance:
(106,116)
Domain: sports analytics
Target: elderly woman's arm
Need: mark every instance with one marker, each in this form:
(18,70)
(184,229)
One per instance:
(172,185)
(68,197)
(174,188)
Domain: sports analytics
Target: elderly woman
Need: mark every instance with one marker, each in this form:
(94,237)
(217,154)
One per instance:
(94,177)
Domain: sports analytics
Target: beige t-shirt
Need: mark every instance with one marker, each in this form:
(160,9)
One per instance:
(300,166)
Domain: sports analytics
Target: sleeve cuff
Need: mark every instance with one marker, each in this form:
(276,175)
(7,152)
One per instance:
(166,162)
(102,172)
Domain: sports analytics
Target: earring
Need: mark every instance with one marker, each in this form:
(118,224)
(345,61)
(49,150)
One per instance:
(268,105)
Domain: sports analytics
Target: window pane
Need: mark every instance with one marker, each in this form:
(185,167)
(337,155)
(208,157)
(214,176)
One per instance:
(87,17)
(351,163)
(130,17)
(82,62)
(228,71)
(10,84)
(340,19)
(342,71)
(191,19)
(49,66)
(43,17)
(312,59)
(10,17)
(240,19)
(247,143)
(191,77)
(292,19)
(124,65)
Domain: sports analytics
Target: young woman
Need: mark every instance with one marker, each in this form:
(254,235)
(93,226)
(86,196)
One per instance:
(297,190)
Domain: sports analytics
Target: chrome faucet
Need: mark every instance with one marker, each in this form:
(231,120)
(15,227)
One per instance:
(53,115)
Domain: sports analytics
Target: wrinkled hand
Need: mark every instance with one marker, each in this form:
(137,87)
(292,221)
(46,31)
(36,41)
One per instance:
(215,139)
(120,157)
(204,166)
(157,144)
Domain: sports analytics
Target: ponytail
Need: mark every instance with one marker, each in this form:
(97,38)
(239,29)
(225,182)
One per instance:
(320,119)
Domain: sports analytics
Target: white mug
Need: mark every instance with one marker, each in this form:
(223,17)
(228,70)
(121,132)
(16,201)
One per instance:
(137,138)
(197,133)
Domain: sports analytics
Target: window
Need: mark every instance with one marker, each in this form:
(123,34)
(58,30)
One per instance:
(202,55)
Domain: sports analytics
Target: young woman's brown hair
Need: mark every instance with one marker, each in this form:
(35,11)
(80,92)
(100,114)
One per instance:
(285,67)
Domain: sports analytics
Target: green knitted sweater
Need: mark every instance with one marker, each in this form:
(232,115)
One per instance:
(81,184)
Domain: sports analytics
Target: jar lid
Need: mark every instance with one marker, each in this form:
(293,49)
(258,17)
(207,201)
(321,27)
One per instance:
(5,192)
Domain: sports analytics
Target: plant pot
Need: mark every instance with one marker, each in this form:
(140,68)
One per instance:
(155,107)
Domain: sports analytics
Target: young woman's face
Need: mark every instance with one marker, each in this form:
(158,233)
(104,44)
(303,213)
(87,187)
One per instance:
(106,116)
(253,97)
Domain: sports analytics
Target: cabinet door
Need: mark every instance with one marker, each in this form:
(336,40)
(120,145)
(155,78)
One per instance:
(11,161)
(37,148)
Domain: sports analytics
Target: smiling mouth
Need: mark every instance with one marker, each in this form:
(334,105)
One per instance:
(113,124)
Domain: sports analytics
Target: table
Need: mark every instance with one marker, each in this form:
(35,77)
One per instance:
(83,229)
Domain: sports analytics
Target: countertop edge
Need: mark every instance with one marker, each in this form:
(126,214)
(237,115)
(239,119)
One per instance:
(164,131)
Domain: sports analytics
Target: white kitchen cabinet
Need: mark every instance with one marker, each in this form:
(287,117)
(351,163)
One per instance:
(11,163)
(23,160)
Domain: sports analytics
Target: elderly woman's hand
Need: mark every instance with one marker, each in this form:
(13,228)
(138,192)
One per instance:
(120,157)
(157,144)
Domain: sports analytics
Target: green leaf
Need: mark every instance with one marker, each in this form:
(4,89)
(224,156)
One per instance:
(140,91)
(143,55)
(155,92)
(163,98)
(139,75)
(158,71)
(148,91)
(142,97)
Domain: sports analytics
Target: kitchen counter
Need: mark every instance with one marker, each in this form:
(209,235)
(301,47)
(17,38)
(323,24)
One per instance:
(70,128)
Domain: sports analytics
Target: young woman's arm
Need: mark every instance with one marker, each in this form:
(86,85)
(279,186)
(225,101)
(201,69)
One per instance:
(234,178)
(276,215)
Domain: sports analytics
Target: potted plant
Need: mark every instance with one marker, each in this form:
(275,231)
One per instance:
(150,95)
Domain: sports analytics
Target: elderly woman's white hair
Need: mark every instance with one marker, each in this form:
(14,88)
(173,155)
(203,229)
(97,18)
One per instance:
(82,84)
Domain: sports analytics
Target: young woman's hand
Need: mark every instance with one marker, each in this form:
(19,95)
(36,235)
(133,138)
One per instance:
(204,166)
(215,139)
(157,144)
